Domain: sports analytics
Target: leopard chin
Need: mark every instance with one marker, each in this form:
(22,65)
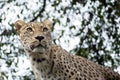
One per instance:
(37,48)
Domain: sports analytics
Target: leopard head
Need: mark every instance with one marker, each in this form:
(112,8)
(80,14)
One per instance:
(35,36)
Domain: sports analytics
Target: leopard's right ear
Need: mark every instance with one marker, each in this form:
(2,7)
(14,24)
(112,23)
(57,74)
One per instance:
(19,24)
(48,23)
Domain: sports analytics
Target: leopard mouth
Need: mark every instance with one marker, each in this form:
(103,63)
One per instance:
(32,47)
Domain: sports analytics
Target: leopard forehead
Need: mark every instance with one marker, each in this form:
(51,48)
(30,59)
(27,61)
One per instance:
(21,25)
(35,27)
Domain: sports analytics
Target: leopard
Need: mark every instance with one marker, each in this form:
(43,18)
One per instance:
(50,61)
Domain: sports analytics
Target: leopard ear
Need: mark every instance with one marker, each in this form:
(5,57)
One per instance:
(48,22)
(19,24)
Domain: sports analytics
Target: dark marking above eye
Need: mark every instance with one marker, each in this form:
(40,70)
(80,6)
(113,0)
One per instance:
(45,29)
(29,29)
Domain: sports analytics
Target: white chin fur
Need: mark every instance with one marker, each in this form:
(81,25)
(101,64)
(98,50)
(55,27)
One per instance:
(40,49)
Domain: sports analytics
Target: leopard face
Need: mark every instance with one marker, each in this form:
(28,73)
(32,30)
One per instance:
(35,36)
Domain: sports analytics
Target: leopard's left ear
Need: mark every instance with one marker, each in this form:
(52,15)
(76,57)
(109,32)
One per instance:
(19,24)
(48,23)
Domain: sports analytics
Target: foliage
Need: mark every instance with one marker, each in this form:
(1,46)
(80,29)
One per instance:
(95,24)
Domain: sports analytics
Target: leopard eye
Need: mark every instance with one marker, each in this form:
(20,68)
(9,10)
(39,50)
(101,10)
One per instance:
(29,29)
(45,29)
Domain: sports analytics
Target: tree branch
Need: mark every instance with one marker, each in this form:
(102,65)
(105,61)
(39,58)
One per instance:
(40,12)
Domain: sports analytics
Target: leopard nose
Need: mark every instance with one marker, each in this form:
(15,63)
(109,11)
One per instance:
(39,38)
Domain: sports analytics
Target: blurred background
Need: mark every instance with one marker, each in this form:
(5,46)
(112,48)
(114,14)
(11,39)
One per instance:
(88,28)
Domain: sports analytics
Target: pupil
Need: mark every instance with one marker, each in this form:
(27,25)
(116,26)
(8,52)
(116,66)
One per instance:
(29,29)
(45,29)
